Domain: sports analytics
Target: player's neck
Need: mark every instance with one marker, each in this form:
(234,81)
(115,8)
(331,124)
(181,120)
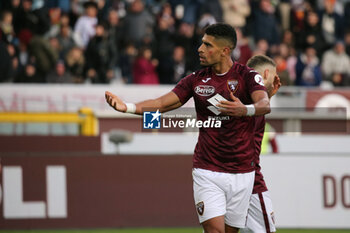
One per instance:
(223,67)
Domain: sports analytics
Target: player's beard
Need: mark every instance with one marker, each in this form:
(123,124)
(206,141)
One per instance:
(205,63)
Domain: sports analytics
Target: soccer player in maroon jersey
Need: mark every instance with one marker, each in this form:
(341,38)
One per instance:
(260,213)
(223,160)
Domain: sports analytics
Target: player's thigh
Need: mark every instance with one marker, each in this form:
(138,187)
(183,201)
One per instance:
(260,214)
(209,197)
(238,196)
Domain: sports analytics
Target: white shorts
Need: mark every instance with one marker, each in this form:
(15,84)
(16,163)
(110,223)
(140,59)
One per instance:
(222,194)
(260,214)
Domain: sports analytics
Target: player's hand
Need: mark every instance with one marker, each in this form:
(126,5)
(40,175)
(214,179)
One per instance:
(275,86)
(232,108)
(115,102)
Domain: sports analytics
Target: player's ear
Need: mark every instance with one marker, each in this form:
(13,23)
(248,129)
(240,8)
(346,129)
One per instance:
(227,50)
(266,74)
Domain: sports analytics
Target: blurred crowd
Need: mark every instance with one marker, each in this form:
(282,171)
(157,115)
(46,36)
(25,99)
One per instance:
(156,41)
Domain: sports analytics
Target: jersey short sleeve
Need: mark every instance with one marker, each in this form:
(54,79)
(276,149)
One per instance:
(254,81)
(184,89)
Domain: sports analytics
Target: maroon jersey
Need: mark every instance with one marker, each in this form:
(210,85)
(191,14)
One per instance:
(231,148)
(259,183)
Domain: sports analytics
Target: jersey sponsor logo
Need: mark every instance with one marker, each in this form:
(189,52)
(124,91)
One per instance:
(232,85)
(151,120)
(200,208)
(204,90)
(206,80)
(259,79)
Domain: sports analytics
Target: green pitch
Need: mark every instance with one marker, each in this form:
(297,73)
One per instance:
(163,230)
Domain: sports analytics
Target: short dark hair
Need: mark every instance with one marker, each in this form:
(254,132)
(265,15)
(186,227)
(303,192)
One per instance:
(223,31)
(260,60)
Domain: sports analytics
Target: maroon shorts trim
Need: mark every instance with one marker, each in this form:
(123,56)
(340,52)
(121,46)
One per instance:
(263,208)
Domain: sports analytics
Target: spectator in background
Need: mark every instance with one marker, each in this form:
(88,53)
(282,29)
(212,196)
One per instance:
(29,74)
(114,29)
(262,48)
(187,38)
(282,71)
(265,24)
(23,55)
(235,12)
(75,63)
(288,38)
(127,58)
(8,4)
(299,9)
(101,57)
(13,52)
(85,26)
(7,32)
(347,14)
(144,68)
(14,7)
(211,7)
(55,21)
(191,11)
(331,23)
(76,11)
(102,9)
(154,6)
(308,69)
(59,74)
(336,65)
(137,24)
(242,52)
(179,64)
(65,20)
(164,35)
(284,9)
(65,40)
(338,5)
(311,35)
(55,45)
(44,55)
(36,21)
(347,42)
(5,64)
(288,55)
(64,5)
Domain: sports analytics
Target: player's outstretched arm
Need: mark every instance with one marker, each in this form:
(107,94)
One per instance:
(236,108)
(164,103)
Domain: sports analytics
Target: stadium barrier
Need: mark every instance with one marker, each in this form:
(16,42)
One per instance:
(85,118)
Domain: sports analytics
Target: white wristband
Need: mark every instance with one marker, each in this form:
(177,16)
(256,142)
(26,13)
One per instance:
(250,109)
(130,108)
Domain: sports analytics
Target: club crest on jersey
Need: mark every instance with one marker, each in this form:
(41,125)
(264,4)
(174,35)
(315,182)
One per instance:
(200,208)
(232,85)
(204,90)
